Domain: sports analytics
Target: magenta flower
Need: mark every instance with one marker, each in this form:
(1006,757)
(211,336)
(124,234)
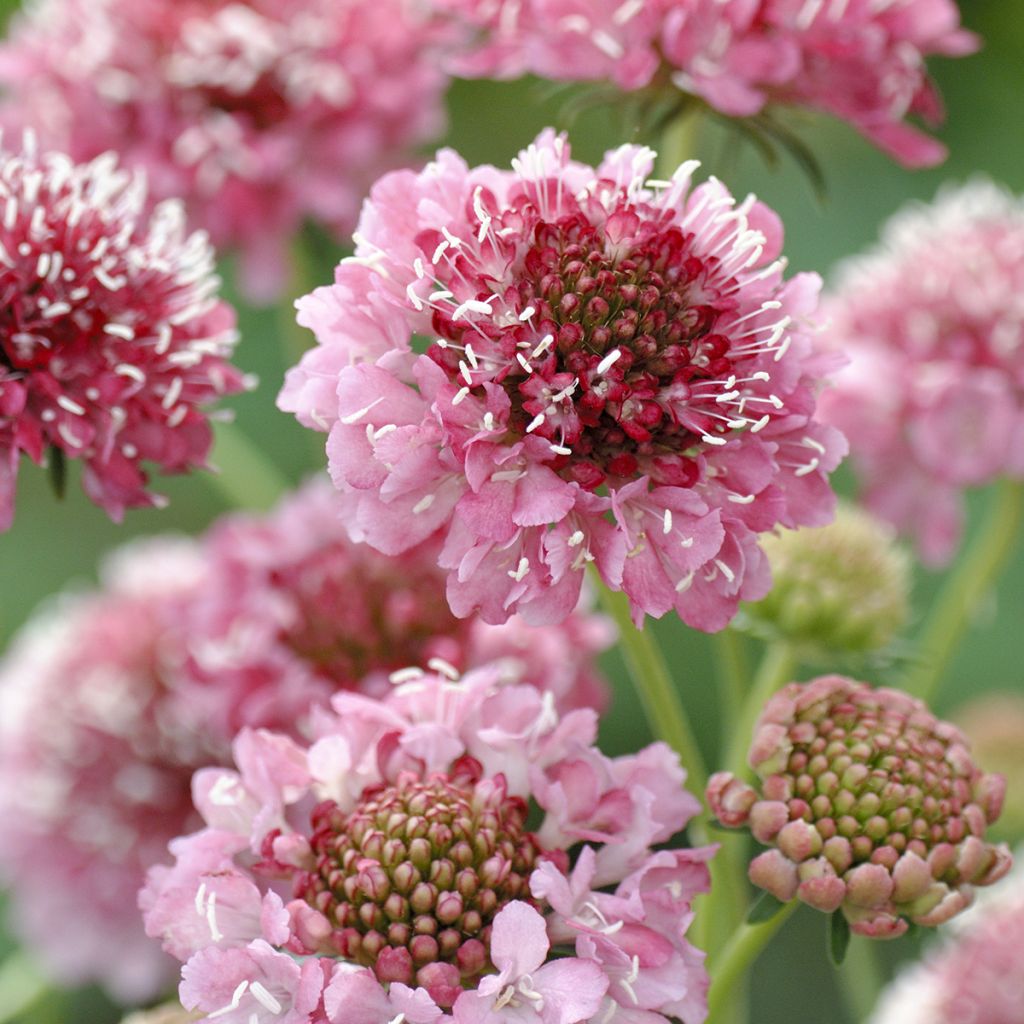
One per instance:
(869,804)
(618,374)
(113,699)
(260,114)
(417,888)
(111,334)
(934,397)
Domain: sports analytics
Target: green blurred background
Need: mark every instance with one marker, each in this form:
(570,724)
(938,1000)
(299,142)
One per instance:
(57,543)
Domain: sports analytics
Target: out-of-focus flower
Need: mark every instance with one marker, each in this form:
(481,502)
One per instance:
(94,777)
(841,588)
(615,373)
(260,113)
(110,701)
(933,323)
(975,976)
(856,59)
(388,871)
(994,724)
(111,334)
(870,805)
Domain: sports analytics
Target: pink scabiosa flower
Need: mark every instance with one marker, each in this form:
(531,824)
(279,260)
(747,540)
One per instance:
(111,334)
(933,399)
(294,611)
(615,372)
(94,775)
(974,976)
(858,60)
(260,114)
(870,805)
(388,870)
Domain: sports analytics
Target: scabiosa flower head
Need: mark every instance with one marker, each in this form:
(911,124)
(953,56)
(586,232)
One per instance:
(394,858)
(614,372)
(844,587)
(111,334)
(933,323)
(94,776)
(974,976)
(282,108)
(869,803)
(294,611)
(856,59)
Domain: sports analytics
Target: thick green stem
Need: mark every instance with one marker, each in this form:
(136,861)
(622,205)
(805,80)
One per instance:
(658,696)
(732,964)
(21,986)
(677,143)
(734,676)
(243,474)
(860,978)
(969,582)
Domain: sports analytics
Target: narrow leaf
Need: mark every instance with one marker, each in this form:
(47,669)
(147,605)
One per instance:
(58,468)
(838,937)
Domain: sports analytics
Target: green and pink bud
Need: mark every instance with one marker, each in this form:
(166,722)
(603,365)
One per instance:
(868,803)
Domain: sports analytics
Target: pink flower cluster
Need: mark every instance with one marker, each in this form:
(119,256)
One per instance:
(615,372)
(933,398)
(111,700)
(386,870)
(859,60)
(260,114)
(111,334)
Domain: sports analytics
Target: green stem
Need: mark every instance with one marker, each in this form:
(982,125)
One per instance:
(21,986)
(734,675)
(730,966)
(777,667)
(969,582)
(860,978)
(677,143)
(243,474)
(660,700)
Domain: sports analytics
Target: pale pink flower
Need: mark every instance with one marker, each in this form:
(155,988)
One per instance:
(113,699)
(111,335)
(869,804)
(416,887)
(975,975)
(261,114)
(933,323)
(618,375)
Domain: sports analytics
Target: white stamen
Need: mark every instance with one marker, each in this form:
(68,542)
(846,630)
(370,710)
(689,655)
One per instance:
(236,999)
(173,393)
(471,305)
(523,362)
(488,421)
(684,583)
(444,668)
(119,331)
(70,405)
(560,449)
(537,421)
(543,345)
(265,998)
(576,539)
(460,395)
(405,675)
(55,309)
(410,294)
(520,570)
(355,417)
(741,499)
(666,523)
(726,571)
(467,376)
(809,468)
(609,361)
(711,439)
(423,504)
(471,356)
(526,314)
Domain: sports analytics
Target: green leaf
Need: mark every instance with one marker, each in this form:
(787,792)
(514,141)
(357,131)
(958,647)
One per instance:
(838,937)
(764,908)
(58,472)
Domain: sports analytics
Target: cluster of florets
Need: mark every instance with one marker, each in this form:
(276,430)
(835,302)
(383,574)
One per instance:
(412,884)
(111,333)
(616,373)
(112,700)
(870,805)
(837,589)
(934,327)
(974,976)
(858,60)
(286,107)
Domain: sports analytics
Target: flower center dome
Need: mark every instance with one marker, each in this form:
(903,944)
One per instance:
(415,873)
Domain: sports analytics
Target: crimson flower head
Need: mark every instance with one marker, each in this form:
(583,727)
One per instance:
(558,365)
(111,332)
(259,114)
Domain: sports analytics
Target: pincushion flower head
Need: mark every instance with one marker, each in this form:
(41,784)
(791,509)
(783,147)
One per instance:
(260,114)
(974,974)
(110,700)
(933,323)
(858,60)
(869,804)
(615,372)
(390,869)
(111,332)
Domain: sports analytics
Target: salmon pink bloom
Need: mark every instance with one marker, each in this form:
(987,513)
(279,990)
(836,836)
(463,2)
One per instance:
(260,114)
(111,333)
(933,398)
(614,372)
(413,883)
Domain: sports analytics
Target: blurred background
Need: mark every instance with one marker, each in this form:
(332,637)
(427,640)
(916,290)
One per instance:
(57,544)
